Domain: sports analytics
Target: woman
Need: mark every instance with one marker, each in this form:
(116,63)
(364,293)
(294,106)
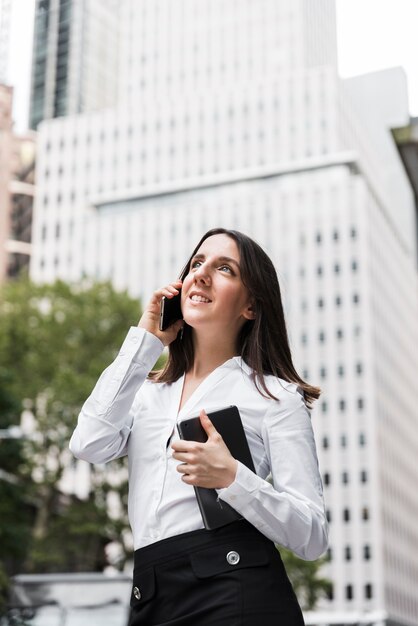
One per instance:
(232,350)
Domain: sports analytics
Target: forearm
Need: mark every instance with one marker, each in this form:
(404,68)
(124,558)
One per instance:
(289,519)
(106,417)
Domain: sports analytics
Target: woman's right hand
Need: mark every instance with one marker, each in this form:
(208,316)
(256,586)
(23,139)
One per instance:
(150,319)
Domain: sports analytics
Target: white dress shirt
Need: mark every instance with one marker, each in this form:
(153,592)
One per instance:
(127,413)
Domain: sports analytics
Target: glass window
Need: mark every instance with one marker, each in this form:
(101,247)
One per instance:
(360,403)
(353,233)
(349,592)
(343,441)
(319,270)
(362,439)
(366,552)
(320,303)
(347,553)
(346,515)
(354,265)
(344,478)
(338,300)
(328,515)
(363,476)
(325,442)
(323,372)
(318,238)
(340,371)
(327,478)
(321,336)
(330,592)
(337,268)
(368,591)
(340,333)
(335,235)
(342,405)
(324,406)
(359,368)
(365,515)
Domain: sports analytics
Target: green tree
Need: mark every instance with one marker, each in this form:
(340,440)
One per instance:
(309,586)
(14,519)
(55,340)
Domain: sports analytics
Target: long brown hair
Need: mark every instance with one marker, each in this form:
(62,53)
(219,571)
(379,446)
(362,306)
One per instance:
(263,342)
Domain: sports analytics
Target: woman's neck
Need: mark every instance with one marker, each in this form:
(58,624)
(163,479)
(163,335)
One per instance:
(210,353)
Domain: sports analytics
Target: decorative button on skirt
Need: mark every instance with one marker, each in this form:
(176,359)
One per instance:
(231,576)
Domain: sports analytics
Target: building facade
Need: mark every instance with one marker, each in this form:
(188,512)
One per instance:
(236,117)
(75,57)
(6,147)
(17,190)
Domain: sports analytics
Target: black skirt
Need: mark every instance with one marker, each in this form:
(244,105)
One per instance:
(231,576)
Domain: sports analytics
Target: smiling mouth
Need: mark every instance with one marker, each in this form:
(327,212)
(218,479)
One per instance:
(195,298)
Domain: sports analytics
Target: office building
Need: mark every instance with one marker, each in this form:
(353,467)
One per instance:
(17,189)
(75,57)
(6,140)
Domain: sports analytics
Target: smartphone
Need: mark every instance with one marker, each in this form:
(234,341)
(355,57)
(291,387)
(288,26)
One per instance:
(170,311)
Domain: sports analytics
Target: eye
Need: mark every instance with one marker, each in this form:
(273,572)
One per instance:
(195,264)
(226,268)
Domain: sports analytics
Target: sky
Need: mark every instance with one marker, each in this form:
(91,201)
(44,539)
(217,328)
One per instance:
(376,34)
(371,34)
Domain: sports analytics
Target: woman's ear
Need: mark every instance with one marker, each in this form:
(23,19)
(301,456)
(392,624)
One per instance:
(249,312)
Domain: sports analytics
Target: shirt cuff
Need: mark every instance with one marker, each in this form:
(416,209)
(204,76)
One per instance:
(141,346)
(242,489)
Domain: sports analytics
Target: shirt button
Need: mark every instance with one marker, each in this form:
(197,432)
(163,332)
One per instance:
(233,557)
(137,593)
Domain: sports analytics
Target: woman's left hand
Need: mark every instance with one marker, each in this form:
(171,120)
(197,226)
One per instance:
(208,464)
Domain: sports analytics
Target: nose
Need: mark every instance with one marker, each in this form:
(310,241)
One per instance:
(202,275)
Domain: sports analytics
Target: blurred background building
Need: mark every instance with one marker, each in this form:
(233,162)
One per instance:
(17,164)
(406,139)
(75,57)
(234,115)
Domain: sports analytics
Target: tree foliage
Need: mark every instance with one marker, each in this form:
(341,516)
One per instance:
(55,340)
(308,585)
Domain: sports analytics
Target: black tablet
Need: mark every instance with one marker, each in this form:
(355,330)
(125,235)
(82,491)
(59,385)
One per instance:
(227,421)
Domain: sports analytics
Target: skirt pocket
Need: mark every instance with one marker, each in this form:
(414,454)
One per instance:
(230,557)
(143,587)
